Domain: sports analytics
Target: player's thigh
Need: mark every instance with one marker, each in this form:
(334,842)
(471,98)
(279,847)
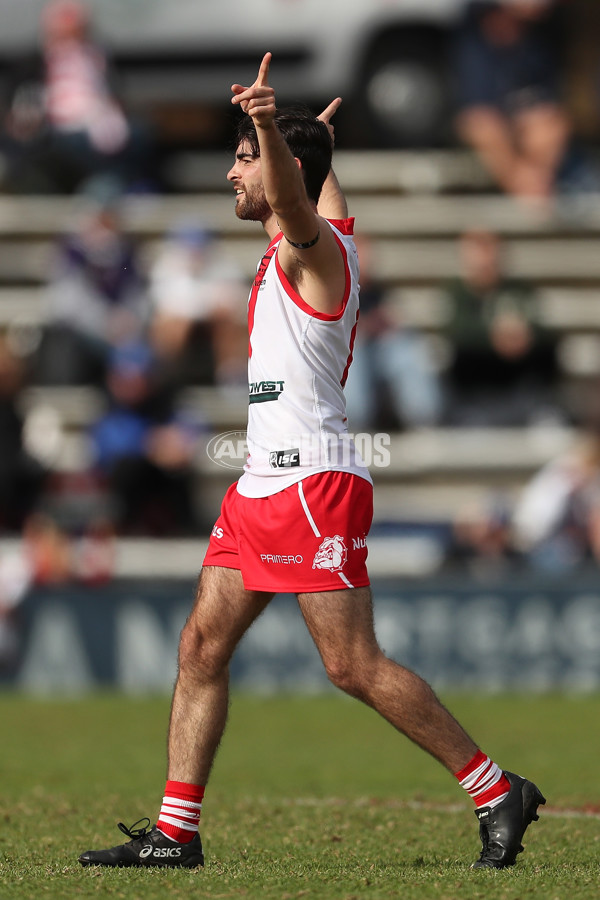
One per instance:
(341,624)
(223,609)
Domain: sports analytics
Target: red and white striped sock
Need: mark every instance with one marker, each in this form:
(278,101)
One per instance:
(180,811)
(484,781)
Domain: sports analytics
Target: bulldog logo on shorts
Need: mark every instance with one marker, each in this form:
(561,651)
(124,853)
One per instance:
(331,555)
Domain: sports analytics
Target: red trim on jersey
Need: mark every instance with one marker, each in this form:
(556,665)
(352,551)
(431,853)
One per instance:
(302,304)
(346,226)
(262,268)
(351,350)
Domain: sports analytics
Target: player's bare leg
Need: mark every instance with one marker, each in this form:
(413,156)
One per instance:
(341,625)
(222,613)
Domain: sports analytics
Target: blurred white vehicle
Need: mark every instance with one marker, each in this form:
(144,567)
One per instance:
(385,57)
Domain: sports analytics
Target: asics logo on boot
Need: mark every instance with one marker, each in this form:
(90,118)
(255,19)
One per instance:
(160,852)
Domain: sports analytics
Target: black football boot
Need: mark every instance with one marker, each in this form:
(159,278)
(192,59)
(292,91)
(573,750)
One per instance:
(147,847)
(502,827)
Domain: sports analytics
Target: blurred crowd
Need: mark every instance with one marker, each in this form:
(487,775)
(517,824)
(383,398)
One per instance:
(63,120)
(551,529)
(137,334)
(509,65)
(524,78)
(140,328)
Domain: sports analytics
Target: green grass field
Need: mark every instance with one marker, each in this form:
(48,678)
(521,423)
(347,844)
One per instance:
(310,797)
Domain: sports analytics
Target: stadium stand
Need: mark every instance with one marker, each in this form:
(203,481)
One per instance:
(413,206)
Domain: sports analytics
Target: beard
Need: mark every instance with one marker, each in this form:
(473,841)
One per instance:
(252,206)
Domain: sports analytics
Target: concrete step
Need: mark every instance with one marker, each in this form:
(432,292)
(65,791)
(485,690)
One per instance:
(388,213)
(564,309)
(360,171)
(398,261)
(58,419)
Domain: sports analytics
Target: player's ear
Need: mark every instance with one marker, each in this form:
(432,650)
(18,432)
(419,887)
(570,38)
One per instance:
(298,163)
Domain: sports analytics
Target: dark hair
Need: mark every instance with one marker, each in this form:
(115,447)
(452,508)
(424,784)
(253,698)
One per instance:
(307,137)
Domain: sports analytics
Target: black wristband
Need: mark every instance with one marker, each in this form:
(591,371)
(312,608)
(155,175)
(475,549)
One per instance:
(307,244)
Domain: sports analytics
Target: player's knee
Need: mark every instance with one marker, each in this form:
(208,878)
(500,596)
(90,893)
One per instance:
(347,674)
(200,658)
(354,672)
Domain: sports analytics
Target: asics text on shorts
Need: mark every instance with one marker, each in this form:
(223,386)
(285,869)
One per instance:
(147,847)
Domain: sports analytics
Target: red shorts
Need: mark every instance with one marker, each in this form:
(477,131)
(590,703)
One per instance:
(309,537)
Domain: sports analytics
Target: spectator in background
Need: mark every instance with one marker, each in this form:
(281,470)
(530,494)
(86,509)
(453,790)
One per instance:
(144,450)
(508,93)
(504,368)
(64,123)
(481,539)
(15,581)
(95,552)
(41,557)
(198,297)
(557,517)
(47,550)
(22,479)
(392,368)
(95,299)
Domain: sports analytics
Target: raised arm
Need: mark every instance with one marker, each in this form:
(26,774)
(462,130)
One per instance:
(332,202)
(309,255)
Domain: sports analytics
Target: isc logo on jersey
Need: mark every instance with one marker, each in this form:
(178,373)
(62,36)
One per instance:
(160,852)
(284,459)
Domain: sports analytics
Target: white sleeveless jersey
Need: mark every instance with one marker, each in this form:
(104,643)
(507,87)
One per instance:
(298,364)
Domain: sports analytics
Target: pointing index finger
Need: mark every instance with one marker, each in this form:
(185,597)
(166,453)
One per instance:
(263,73)
(329,111)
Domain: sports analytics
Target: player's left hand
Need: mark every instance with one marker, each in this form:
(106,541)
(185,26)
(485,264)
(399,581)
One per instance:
(326,116)
(258,100)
